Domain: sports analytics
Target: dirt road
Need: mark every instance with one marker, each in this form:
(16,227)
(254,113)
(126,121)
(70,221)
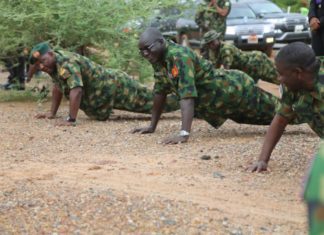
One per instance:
(97,178)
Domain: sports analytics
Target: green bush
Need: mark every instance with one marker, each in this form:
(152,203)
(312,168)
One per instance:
(75,25)
(295,5)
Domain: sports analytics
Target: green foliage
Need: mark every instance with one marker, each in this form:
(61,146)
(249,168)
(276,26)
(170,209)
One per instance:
(295,5)
(77,24)
(27,95)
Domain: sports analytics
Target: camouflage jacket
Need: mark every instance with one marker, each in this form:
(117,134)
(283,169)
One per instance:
(103,89)
(308,107)
(216,92)
(208,19)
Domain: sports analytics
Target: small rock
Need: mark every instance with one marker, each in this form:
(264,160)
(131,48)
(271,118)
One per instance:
(236,232)
(264,229)
(225,223)
(94,168)
(169,222)
(205,157)
(218,175)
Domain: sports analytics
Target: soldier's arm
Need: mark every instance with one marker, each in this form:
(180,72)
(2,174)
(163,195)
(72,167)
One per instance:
(75,100)
(272,137)
(223,11)
(312,10)
(56,100)
(158,105)
(187,114)
(199,17)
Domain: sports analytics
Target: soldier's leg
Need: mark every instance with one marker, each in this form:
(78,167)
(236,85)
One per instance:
(214,121)
(135,97)
(9,64)
(257,106)
(20,71)
(100,113)
(261,67)
(268,69)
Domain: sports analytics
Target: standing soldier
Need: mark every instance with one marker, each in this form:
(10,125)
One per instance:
(15,65)
(89,86)
(314,194)
(255,63)
(316,23)
(212,15)
(210,94)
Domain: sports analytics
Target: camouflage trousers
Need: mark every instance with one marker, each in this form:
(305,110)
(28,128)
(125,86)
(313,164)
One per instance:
(259,66)
(254,106)
(123,93)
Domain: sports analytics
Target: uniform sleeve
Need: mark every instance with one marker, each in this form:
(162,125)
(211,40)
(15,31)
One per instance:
(184,69)
(285,107)
(312,10)
(71,73)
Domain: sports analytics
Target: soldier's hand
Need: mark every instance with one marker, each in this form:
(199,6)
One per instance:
(143,130)
(44,115)
(258,166)
(175,139)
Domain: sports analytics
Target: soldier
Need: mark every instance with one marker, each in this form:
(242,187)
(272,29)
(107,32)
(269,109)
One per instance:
(15,65)
(212,14)
(316,23)
(89,86)
(314,194)
(302,77)
(214,95)
(254,63)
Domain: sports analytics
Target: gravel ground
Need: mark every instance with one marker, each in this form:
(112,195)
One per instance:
(97,178)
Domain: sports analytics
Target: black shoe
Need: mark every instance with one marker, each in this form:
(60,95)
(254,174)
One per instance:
(13,86)
(6,86)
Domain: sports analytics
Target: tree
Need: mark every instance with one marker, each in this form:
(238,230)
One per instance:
(76,25)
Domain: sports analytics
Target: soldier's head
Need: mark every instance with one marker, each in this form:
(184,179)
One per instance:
(211,39)
(43,58)
(152,45)
(297,66)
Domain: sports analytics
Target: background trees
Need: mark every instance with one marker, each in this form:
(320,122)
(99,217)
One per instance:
(76,25)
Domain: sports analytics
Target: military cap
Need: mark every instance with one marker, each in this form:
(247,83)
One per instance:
(38,50)
(210,36)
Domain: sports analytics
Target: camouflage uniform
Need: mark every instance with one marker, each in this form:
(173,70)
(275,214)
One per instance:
(305,106)
(103,89)
(218,94)
(15,64)
(207,18)
(254,63)
(314,194)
